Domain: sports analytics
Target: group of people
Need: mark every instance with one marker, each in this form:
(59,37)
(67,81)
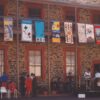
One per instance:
(28,85)
(8,87)
(92,81)
(63,86)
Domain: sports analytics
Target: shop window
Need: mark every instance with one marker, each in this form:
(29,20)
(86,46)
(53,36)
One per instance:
(70,62)
(35,64)
(35,13)
(1,62)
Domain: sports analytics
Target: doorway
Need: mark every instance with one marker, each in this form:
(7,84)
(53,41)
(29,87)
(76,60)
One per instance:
(96,68)
(97,76)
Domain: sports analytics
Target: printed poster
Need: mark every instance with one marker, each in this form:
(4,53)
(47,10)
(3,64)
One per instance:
(90,33)
(26,30)
(81,33)
(97,33)
(39,31)
(56,31)
(68,32)
(8,29)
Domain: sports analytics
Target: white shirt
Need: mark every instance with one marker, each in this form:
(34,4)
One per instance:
(97,75)
(87,75)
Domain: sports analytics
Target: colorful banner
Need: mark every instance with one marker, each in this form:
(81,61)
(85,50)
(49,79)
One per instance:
(68,32)
(97,33)
(39,31)
(56,31)
(90,33)
(26,30)
(8,26)
(81,33)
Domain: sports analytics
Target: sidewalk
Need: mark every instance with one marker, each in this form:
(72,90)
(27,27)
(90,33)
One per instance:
(59,97)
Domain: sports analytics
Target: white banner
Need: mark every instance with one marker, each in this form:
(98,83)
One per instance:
(81,33)
(26,30)
(90,33)
(68,32)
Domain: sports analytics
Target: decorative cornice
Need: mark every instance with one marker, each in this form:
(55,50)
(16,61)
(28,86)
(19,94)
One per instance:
(86,3)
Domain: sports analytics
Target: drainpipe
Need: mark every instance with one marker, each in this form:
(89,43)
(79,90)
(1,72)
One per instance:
(17,42)
(49,71)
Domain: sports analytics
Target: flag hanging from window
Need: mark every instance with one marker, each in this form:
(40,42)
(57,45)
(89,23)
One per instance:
(68,32)
(81,33)
(8,29)
(26,30)
(39,31)
(90,33)
(97,33)
(56,31)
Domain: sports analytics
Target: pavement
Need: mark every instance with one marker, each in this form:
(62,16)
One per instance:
(57,97)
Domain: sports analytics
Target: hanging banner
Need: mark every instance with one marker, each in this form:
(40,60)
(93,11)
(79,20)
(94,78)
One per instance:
(90,33)
(56,31)
(26,30)
(68,32)
(8,26)
(97,33)
(39,31)
(81,33)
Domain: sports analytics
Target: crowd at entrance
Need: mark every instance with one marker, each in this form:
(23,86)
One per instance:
(28,85)
(91,80)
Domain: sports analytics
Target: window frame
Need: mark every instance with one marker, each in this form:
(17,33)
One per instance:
(43,59)
(34,6)
(6,67)
(70,49)
(34,63)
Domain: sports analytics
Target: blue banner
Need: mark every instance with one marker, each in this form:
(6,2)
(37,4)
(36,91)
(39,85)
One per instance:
(39,31)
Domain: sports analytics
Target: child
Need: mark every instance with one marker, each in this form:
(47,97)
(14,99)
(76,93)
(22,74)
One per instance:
(12,89)
(3,89)
(28,85)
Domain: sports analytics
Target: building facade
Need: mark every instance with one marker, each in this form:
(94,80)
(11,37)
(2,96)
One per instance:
(48,60)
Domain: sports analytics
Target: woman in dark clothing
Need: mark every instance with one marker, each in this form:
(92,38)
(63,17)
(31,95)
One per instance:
(22,84)
(34,85)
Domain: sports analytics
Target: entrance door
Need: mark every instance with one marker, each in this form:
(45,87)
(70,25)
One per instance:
(96,68)
(97,76)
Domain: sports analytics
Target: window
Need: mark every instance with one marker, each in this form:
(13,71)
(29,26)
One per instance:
(1,10)
(97,19)
(1,61)
(35,62)
(35,13)
(70,62)
(70,18)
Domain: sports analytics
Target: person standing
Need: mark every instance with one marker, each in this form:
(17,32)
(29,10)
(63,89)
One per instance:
(87,76)
(28,85)
(34,85)
(4,77)
(22,84)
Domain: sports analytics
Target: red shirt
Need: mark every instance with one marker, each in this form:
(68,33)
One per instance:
(12,87)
